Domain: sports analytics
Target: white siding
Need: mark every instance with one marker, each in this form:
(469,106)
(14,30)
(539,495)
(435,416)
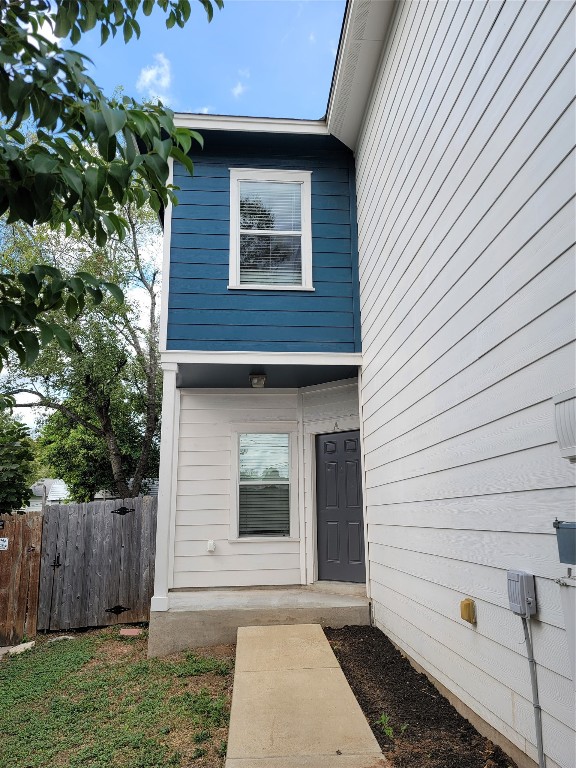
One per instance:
(465,173)
(204,491)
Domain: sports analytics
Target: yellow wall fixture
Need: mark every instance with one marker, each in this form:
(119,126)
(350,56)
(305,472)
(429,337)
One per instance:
(468,610)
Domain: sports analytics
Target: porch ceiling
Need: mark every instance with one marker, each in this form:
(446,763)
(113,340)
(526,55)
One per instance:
(227,376)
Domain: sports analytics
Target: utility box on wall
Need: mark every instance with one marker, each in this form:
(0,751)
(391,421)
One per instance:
(565,422)
(566,540)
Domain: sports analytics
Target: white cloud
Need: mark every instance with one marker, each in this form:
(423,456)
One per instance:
(245,73)
(333,48)
(311,37)
(204,110)
(238,89)
(154,81)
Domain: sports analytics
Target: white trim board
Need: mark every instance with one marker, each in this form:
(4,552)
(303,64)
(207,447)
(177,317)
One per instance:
(250,124)
(265,427)
(166,238)
(309,533)
(304,180)
(262,358)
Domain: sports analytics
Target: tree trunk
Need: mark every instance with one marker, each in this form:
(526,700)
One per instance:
(122,487)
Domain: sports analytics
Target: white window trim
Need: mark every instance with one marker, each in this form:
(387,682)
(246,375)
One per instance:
(283,427)
(260,174)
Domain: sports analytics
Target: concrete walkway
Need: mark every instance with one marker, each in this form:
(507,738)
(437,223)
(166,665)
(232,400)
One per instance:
(292,706)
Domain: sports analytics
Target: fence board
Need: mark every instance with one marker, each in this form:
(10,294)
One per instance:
(19,576)
(95,560)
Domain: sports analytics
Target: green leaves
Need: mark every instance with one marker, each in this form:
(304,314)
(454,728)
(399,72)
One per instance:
(27,295)
(57,177)
(16,457)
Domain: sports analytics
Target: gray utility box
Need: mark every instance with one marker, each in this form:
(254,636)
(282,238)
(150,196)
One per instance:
(521,593)
(566,540)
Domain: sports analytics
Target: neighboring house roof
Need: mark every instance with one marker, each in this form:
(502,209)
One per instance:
(365,29)
(58,491)
(45,483)
(150,485)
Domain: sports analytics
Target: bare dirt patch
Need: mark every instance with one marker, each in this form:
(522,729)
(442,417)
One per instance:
(415,726)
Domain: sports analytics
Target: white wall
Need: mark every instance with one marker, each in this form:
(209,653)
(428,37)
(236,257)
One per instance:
(203,494)
(204,487)
(465,173)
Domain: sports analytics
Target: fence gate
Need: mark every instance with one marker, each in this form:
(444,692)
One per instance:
(20,539)
(97,563)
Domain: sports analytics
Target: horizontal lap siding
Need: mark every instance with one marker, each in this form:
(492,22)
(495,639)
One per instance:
(203,314)
(465,183)
(204,491)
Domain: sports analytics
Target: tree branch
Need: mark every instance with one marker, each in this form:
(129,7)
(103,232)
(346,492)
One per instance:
(46,403)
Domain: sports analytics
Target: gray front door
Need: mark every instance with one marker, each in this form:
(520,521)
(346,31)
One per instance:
(339,508)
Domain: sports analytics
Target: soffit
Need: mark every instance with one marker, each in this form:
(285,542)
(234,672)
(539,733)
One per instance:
(366,26)
(219,375)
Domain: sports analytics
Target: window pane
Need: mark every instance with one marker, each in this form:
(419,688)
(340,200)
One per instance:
(264,510)
(270,205)
(264,457)
(274,259)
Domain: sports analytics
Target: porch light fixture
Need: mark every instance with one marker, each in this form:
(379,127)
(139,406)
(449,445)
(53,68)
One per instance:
(257,380)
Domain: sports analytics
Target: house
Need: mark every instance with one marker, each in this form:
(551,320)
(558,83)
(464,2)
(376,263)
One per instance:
(46,491)
(366,321)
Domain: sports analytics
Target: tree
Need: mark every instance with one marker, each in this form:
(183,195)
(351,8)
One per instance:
(106,387)
(81,458)
(89,155)
(16,461)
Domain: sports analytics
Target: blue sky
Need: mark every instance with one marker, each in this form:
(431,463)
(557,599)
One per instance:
(263,58)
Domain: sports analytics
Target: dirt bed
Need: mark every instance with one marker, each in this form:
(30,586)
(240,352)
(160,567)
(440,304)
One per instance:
(414,724)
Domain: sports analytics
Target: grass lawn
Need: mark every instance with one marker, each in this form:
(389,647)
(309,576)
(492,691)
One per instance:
(97,702)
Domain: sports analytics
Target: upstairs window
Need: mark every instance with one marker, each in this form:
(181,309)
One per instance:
(270,230)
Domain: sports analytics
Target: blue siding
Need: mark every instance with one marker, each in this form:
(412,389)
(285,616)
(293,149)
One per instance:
(203,313)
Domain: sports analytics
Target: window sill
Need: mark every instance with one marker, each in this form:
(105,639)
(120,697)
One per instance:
(254,539)
(270,288)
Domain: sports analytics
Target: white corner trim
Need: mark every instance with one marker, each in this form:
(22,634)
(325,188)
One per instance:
(364,487)
(261,358)
(304,178)
(305,545)
(167,489)
(159,603)
(251,124)
(166,238)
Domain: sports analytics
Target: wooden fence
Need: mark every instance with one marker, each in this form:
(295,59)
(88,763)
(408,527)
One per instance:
(97,565)
(20,537)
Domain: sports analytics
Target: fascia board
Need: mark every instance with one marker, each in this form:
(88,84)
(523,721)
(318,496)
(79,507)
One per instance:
(365,30)
(250,124)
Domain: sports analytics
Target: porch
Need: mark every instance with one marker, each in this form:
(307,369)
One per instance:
(203,617)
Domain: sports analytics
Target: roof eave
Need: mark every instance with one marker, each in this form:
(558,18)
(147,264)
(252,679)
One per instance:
(250,124)
(364,32)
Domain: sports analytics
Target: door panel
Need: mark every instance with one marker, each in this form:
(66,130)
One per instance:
(339,508)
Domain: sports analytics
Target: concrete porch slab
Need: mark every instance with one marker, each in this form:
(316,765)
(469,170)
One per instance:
(205,617)
(291,714)
(317,761)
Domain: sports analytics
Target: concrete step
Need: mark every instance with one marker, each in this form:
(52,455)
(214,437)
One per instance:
(212,617)
(292,706)
(338,588)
